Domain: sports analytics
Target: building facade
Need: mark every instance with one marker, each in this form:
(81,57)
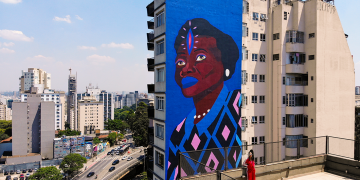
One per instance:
(357,90)
(108,100)
(72,101)
(33,128)
(90,115)
(5,112)
(288,74)
(34,78)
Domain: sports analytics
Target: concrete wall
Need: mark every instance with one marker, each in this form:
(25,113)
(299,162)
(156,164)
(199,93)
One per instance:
(23,159)
(19,129)
(47,130)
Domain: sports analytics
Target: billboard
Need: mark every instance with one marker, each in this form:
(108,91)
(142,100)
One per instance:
(203,83)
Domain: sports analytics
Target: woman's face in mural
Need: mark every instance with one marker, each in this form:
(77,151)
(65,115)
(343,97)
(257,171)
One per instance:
(200,68)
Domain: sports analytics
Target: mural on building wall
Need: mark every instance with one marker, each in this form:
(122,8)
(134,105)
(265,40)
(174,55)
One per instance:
(65,145)
(203,96)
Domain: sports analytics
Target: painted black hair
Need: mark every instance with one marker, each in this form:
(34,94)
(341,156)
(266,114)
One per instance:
(225,43)
(253,155)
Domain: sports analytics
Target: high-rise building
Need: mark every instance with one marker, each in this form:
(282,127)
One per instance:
(357,90)
(90,115)
(34,78)
(108,100)
(5,112)
(33,130)
(128,100)
(296,78)
(72,101)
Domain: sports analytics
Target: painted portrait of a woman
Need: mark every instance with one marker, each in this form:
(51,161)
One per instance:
(205,59)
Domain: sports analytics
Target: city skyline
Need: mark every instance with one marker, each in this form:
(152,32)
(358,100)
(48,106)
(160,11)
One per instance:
(105,49)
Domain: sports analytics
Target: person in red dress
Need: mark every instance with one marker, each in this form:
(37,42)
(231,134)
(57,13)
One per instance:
(250,163)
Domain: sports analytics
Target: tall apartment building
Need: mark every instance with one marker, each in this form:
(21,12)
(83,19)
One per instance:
(108,100)
(5,112)
(72,101)
(33,130)
(34,78)
(90,115)
(128,99)
(297,76)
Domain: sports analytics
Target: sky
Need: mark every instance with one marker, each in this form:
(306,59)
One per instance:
(103,41)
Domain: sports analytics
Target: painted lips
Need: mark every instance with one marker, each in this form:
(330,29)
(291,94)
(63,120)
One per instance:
(188,82)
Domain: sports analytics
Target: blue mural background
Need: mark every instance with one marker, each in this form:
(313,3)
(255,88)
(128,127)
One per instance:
(226,15)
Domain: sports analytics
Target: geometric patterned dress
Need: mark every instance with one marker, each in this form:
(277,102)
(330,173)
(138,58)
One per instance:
(221,127)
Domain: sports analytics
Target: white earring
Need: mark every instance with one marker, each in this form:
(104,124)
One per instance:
(227,72)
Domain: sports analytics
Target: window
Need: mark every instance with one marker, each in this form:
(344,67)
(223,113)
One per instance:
(244,53)
(291,141)
(276,36)
(262,99)
(311,35)
(160,19)
(285,15)
(253,99)
(262,160)
(254,140)
(160,47)
(255,160)
(244,77)
(262,57)
(254,78)
(284,81)
(254,57)
(283,121)
(262,78)
(255,36)
(284,100)
(311,57)
(263,17)
(312,78)
(261,119)
(262,37)
(255,16)
(244,122)
(159,131)
(160,103)
(254,119)
(245,30)
(296,100)
(312,99)
(245,7)
(159,159)
(297,58)
(312,120)
(276,57)
(294,36)
(245,145)
(161,75)
(262,139)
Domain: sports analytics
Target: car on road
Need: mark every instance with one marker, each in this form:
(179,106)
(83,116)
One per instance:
(8,177)
(11,172)
(124,157)
(30,170)
(115,162)
(24,170)
(124,140)
(90,174)
(117,153)
(108,153)
(35,169)
(27,175)
(15,178)
(130,158)
(18,172)
(6,173)
(112,168)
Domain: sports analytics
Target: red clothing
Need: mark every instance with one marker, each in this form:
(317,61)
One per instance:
(250,169)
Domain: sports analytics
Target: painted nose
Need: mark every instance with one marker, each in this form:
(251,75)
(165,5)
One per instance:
(188,69)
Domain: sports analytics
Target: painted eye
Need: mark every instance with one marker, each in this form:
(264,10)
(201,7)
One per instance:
(200,57)
(180,63)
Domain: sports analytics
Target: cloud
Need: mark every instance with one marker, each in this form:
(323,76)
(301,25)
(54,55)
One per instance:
(121,45)
(11,1)
(40,58)
(6,50)
(66,19)
(78,17)
(14,35)
(97,60)
(87,48)
(9,44)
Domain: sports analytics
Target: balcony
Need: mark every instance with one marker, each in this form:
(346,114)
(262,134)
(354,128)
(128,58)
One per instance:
(150,24)
(294,89)
(150,9)
(150,46)
(150,36)
(294,68)
(294,110)
(151,112)
(151,88)
(150,64)
(295,47)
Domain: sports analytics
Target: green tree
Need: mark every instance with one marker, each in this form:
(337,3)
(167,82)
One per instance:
(116,125)
(96,140)
(120,136)
(139,125)
(112,138)
(72,163)
(68,132)
(133,107)
(144,175)
(47,173)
